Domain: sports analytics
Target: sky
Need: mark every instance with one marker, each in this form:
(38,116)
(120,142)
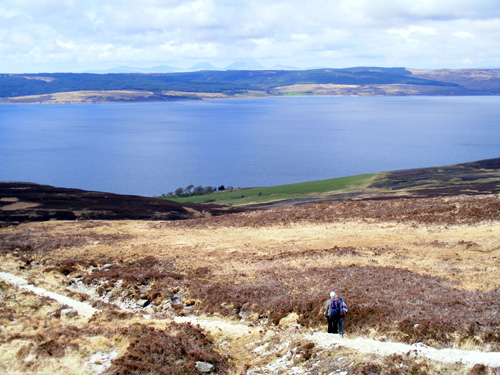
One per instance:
(84,35)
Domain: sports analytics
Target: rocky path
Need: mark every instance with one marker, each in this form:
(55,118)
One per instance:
(84,309)
(490,359)
(469,357)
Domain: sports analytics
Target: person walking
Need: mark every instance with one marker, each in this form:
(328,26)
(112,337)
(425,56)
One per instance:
(331,311)
(342,315)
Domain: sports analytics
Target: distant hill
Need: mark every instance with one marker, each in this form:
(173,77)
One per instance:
(201,84)
(481,80)
(203,66)
(245,65)
(23,202)
(480,177)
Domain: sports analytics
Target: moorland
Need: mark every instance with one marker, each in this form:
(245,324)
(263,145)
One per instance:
(416,257)
(207,84)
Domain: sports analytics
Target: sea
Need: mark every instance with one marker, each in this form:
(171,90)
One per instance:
(153,148)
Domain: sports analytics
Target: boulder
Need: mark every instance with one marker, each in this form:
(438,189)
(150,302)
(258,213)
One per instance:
(204,367)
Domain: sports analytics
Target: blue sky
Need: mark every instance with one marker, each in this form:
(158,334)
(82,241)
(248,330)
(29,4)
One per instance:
(82,35)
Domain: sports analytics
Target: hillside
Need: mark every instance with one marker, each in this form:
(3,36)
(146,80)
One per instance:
(27,202)
(416,271)
(475,178)
(474,79)
(86,87)
(163,286)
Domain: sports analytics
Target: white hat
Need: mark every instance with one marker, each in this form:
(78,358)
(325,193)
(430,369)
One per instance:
(332,294)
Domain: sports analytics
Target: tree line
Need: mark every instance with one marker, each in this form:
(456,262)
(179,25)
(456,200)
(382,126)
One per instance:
(191,190)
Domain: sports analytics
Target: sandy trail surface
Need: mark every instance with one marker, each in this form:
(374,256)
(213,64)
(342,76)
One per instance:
(84,309)
(387,348)
(363,345)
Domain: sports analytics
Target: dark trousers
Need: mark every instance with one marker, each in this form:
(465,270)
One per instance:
(333,324)
(341,325)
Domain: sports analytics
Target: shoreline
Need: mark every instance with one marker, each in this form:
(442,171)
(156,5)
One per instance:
(49,102)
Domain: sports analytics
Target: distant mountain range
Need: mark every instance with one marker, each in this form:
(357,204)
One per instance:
(237,65)
(134,69)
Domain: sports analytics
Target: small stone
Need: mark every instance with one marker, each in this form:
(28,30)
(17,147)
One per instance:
(69,313)
(204,367)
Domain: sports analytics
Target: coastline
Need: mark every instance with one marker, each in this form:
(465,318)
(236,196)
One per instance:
(319,90)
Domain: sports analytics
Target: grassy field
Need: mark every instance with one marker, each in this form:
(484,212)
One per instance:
(313,189)
(481,177)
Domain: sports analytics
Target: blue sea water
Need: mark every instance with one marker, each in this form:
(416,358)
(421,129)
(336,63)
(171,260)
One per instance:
(153,148)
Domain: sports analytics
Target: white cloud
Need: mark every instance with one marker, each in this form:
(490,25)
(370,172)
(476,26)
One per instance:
(426,33)
(463,34)
(411,30)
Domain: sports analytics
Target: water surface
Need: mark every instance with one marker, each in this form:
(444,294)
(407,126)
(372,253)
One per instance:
(153,148)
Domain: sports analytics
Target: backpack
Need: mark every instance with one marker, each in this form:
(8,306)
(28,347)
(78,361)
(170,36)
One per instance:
(333,310)
(343,307)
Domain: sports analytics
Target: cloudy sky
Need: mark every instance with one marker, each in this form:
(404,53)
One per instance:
(81,35)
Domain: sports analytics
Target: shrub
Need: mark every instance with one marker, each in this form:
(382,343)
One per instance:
(153,351)
(30,242)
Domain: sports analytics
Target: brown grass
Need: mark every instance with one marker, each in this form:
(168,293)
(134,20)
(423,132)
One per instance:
(415,270)
(85,96)
(35,339)
(173,351)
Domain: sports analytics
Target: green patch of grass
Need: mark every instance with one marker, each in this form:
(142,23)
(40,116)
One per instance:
(282,192)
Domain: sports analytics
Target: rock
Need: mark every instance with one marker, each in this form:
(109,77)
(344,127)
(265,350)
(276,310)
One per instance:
(253,317)
(101,361)
(289,320)
(204,367)
(78,275)
(69,313)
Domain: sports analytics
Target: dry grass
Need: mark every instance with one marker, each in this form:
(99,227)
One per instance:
(84,96)
(358,90)
(33,339)
(421,270)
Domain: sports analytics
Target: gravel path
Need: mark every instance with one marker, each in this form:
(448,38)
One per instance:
(469,357)
(83,308)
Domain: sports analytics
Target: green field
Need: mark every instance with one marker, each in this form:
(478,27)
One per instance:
(313,189)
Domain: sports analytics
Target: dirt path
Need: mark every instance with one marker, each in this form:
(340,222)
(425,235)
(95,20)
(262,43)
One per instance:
(84,309)
(469,357)
(491,359)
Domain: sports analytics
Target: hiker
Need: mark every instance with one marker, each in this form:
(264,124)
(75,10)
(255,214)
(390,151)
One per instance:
(331,312)
(342,314)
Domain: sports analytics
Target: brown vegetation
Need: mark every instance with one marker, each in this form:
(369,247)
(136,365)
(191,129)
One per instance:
(43,202)
(413,270)
(173,351)
(448,211)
